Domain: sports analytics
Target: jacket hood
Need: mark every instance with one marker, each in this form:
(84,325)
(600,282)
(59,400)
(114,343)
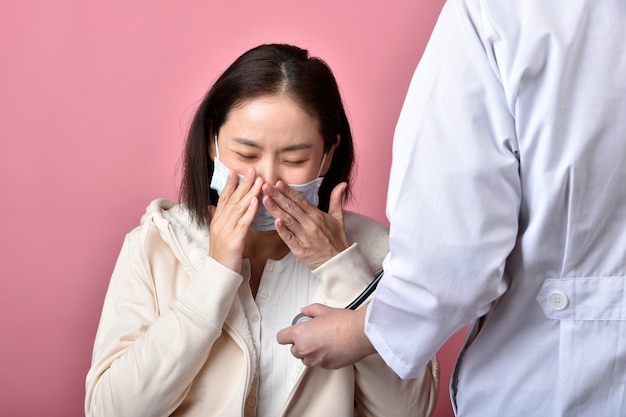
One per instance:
(177,228)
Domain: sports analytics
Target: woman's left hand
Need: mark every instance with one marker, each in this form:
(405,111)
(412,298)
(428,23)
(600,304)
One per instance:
(312,235)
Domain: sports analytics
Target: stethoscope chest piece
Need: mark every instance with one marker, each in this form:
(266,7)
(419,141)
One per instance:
(300,318)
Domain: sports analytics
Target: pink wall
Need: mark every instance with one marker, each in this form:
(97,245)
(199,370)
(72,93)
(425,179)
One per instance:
(94,101)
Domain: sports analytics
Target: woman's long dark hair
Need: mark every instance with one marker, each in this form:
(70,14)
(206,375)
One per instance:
(267,70)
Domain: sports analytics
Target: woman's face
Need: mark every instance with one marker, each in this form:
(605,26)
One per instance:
(274,135)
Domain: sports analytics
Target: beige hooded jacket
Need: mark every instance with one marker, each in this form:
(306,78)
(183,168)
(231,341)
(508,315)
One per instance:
(173,339)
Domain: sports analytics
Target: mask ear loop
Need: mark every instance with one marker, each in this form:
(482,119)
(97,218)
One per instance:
(319,173)
(217,149)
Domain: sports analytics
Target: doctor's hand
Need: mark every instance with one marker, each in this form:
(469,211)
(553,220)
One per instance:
(332,339)
(312,235)
(232,218)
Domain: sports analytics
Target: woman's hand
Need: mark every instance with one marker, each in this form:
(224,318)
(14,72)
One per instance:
(232,217)
(312,235)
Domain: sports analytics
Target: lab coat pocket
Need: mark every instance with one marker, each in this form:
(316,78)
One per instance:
(592,339)
(584,298)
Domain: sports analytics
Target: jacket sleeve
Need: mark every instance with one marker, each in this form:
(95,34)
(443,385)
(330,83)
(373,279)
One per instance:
(137,369)
(346,275)
(379,391)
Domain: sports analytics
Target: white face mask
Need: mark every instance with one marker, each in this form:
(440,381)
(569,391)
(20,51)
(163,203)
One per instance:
(263,220)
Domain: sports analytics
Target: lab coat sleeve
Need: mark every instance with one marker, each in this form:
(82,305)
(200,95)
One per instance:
(144,360)
(454,195)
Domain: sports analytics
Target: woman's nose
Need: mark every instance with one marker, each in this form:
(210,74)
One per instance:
(268,171)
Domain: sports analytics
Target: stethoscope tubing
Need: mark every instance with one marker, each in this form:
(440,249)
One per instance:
(360,299)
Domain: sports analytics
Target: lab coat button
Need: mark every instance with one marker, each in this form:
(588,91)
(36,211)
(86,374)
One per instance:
(270,266)
(558,300)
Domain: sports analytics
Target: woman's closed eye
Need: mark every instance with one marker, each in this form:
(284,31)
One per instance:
(294,162)
(247,157)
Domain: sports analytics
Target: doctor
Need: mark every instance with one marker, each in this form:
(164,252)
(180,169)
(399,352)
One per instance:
(507,203)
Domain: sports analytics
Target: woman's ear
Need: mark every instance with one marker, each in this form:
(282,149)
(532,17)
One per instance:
(329,155)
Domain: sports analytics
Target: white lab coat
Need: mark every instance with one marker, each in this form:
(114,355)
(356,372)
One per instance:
(507,199)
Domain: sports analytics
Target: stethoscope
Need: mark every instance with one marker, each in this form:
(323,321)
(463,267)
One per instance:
(301,317)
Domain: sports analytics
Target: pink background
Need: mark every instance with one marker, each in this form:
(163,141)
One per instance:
(95,98)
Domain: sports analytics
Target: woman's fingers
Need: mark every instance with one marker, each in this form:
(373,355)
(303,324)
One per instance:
(287,204)
(312,235)
(232,217)
(236,189)
(335,208)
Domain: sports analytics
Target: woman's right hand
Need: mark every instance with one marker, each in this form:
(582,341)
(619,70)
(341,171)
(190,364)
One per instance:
(232,217)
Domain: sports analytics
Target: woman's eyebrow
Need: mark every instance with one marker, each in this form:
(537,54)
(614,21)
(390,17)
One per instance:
(247,142)
(297,147)
(294,147)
